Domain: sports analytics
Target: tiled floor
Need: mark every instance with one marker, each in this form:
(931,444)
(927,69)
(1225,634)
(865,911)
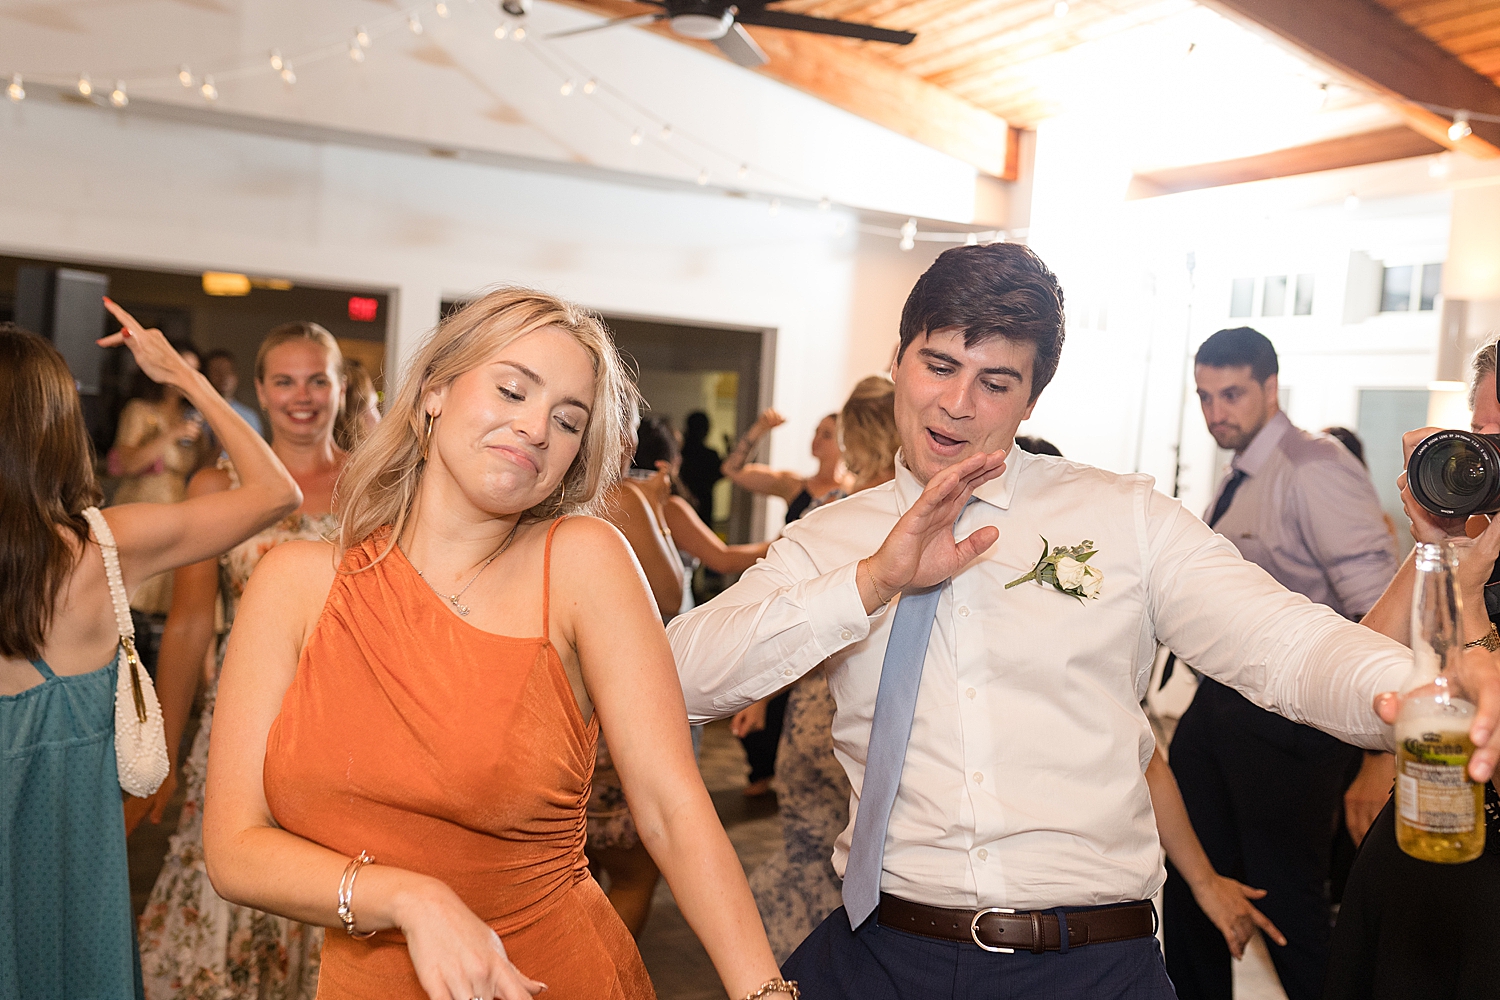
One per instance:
(678,964)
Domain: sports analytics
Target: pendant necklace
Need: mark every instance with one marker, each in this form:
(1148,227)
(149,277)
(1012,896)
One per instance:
(463,609)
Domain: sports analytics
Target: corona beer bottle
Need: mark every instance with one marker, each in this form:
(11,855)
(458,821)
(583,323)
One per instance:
(1439,810)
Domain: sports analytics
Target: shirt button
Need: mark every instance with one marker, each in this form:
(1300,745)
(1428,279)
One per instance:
(963,612)
(846,635)
(971,694)
(788,672)
(983,854)
(978,778)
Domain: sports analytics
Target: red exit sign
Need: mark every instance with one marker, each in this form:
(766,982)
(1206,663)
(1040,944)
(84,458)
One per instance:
(363,310)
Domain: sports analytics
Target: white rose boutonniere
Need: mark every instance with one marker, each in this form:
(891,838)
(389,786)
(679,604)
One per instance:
(1067,569)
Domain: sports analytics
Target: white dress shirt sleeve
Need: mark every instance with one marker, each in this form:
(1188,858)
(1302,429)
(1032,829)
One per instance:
(783,618)
(1229,619)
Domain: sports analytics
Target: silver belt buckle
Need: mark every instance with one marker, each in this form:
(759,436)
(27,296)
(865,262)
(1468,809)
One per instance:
(974,929)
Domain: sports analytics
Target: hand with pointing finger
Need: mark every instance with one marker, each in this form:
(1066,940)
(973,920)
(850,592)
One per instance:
(157,358)
(921,551)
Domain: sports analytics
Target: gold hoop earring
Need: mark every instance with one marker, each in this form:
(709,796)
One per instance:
(563,499)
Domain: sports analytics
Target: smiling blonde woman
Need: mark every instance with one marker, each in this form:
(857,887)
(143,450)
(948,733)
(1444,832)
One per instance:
(407,721)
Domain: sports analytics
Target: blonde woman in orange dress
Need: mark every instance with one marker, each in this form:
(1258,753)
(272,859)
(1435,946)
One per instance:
(194,944)
(406,720)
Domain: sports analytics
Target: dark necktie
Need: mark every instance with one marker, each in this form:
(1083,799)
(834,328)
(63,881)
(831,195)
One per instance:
(1226,497)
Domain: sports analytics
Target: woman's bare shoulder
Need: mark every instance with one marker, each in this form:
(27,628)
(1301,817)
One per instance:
(298,568)
(589,546)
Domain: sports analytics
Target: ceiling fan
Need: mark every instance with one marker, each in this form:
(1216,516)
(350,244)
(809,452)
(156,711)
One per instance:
(721,22)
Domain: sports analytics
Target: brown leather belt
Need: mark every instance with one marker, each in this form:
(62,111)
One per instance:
(997,929)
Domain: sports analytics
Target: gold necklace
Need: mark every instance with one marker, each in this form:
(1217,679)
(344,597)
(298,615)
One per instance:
(463,609)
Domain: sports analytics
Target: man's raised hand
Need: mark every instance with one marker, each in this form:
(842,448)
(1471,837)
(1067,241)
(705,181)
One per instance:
(921,551)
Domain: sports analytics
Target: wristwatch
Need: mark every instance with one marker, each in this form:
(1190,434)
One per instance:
(1490,640)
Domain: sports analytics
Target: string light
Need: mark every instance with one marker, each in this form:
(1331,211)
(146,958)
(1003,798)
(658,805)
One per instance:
(414,23)
(288,74)
(85,86)
(703,177)
(356,53)
(824,204)
(1351,202)
(276,62)
(566,89)
(1439,165)
(774,207)
(500,33)
(118,97)
(441,10)
(972,240)
(208,90)
(590,85)
(16,91)
(1460,129)
(840,227)
(744,171)
(184,75)
(362,37)
(636,138)
(666,131)
(908,234)
(1060,9)
(519,34)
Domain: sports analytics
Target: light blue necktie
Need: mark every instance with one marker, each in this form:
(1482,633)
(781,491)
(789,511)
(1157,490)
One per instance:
(895,707)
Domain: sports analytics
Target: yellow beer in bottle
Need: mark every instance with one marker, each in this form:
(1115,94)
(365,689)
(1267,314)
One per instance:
(1439,809)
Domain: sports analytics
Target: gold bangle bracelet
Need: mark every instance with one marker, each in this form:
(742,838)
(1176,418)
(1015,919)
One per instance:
(1490,640)
(787,986)
(346,895)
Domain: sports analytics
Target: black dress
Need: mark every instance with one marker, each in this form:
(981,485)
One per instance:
(1414,930)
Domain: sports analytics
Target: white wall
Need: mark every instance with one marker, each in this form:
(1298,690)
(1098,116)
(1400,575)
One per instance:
(80,183)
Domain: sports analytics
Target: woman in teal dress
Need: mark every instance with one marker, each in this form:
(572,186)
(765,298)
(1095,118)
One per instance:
(65,919)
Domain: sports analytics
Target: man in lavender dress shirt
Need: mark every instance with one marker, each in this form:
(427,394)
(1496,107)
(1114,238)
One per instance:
(1264,793)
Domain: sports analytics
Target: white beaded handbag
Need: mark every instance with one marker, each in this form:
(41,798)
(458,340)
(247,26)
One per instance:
(140,736)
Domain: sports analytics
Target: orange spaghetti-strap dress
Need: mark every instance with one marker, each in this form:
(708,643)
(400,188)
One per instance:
(447,750)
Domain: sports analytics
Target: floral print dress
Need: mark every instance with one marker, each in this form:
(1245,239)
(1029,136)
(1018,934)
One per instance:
(195,945)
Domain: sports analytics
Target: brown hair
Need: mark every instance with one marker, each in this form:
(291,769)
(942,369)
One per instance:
(46,482)
(867,428)
(296,330)
(380,483)
(359,392)
(987,291)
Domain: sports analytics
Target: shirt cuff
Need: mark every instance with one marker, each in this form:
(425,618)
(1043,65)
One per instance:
(837,612)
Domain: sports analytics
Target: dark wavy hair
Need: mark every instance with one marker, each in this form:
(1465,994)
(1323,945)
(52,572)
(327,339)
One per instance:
(46,482)
(996,290)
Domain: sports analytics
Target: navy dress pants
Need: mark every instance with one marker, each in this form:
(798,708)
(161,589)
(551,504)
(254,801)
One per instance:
(1264,795)
(880,963)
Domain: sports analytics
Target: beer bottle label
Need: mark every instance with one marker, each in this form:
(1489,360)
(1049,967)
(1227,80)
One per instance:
(1433,791)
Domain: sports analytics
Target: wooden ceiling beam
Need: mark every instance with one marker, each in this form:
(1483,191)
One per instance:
(1374,48)
(1396,143)
(851,77)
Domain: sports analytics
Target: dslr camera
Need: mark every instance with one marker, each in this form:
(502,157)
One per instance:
(1456,473)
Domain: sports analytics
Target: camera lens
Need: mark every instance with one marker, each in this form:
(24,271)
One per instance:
(1455,473)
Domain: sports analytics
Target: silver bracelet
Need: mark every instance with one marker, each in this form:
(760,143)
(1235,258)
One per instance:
(346,894)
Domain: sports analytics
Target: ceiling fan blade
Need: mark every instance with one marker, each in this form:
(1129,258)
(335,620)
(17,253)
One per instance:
(633,19)
(822,26)
(741,49)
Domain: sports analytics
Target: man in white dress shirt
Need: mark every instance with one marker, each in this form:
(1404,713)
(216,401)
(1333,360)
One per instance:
(1010,853)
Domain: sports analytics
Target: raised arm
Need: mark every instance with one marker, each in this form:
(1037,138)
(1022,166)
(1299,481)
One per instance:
(154,538)
(698,539)
(790,612)
(252,862)
(754,477)
(628,670)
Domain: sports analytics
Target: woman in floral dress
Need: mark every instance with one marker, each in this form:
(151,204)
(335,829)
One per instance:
(195,945)
(796,888)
